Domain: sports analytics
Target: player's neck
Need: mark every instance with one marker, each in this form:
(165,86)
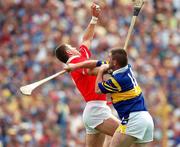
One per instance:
(116,67)
(120,69)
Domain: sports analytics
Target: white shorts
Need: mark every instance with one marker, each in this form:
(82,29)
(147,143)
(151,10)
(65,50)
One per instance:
(94,114)
(139,125)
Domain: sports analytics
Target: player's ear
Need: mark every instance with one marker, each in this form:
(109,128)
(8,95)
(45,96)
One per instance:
(114,63)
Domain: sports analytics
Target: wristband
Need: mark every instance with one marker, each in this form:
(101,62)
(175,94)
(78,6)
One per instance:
(94,20)
(99,63)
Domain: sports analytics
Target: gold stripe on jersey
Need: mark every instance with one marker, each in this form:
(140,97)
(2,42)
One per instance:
(107,87)
(112,88)
(116,84)
(122,96)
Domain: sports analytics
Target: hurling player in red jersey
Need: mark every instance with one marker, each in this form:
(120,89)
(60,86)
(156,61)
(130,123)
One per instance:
(97,117)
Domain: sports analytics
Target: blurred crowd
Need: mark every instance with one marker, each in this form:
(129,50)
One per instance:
(52,116)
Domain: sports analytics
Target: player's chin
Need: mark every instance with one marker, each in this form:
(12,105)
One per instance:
(110,66)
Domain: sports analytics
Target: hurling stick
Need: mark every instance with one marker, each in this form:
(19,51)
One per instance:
(137,7)
(27,90)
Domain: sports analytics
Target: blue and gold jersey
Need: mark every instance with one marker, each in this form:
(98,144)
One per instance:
(125,92)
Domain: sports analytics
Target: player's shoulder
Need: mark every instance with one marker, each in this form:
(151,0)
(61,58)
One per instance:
(76,59)
(83,46)
(129,65)
(84,50)
(121,73)
(116,77)
(129,68)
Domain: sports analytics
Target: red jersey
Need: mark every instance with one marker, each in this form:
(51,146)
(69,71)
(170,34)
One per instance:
(84,82)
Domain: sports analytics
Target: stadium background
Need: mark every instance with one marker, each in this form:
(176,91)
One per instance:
(51,117)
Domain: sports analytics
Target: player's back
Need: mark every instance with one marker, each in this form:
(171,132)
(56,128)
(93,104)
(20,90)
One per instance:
(130,97)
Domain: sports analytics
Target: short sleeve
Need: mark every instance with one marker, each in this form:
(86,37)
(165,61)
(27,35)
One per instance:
(85,51)
(108,86)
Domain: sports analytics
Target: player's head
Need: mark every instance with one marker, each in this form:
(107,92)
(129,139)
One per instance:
(64,51)
(118,58)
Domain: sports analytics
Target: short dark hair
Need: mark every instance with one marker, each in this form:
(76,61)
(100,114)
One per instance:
(61,53)
(120,56)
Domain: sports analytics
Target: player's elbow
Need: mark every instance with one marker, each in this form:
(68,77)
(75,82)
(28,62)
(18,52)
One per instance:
(84,38)
(98,91)
(87,38)
(91,72)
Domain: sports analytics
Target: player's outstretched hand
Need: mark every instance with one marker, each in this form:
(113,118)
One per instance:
(104,67)
(95,10)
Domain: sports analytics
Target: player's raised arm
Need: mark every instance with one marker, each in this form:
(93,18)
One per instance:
(89,32)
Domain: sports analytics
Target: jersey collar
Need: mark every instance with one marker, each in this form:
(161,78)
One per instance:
(71,58)
(121,70)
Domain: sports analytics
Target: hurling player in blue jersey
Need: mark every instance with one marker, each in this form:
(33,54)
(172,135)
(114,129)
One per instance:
(136,123)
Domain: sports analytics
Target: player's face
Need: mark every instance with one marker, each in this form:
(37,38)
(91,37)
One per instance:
(72,50)
(112,63)
(110,60)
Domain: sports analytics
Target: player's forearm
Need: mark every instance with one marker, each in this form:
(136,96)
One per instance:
(99,79)
(89,33)
(87,64)
(93,71)
(90,64)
